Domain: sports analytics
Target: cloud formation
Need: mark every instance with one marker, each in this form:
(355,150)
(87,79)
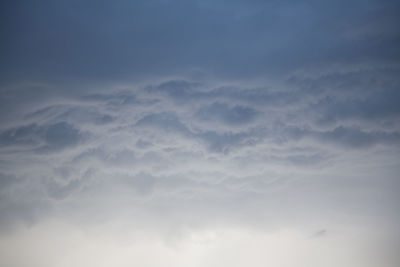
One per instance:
(202,133)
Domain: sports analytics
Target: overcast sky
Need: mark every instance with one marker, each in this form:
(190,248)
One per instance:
(184,133)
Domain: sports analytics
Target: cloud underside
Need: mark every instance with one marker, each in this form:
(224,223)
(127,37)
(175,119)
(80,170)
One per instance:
(177,142)
(83,40)
(199,133)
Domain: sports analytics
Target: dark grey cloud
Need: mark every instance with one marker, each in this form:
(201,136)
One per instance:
(348,137)
(165,121)
(235,115)
(20,135)
(183,91)
(42,138)
(143,144)
(7,180)
(118,99)
(376,105)
(125,39)
(189,127)
(61,135)
(58,191)
(215,141)
(353,137)
(320,233)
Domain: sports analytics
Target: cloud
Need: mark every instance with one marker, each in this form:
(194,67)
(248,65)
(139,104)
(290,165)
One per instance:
(191,131)
(165,121)
(20,135)
(356,138)
(229,115)
(49,138)
(377,105)
(348,137)
(61,135)
(320,233)
(215,141)
(249,39)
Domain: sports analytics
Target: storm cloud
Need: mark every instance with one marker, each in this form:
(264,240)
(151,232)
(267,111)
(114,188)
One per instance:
(199,133)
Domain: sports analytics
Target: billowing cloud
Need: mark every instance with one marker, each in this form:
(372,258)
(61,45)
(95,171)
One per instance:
(214,158)
(199,133)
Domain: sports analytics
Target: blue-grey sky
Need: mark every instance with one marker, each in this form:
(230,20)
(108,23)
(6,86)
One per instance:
(199,133)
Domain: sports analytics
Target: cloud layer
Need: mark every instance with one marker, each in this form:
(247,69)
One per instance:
(206,157)
(199,133)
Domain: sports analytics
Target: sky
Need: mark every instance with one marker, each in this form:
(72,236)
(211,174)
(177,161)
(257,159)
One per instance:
(187,133)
